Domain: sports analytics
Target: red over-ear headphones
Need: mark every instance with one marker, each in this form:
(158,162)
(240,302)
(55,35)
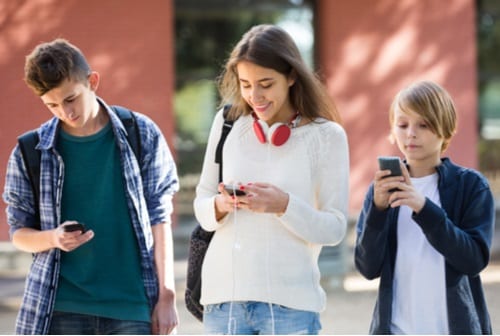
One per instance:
(277,134)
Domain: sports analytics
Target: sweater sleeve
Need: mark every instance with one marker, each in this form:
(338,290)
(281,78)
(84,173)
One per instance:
(206,190)
(324,222)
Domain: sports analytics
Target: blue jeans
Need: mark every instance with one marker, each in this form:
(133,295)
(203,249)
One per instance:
(63,323)
(258,318)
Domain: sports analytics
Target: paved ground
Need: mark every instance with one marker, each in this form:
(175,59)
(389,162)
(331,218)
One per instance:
(349,307)
(348,311)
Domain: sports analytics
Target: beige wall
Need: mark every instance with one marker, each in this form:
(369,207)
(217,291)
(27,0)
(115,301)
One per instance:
(129,42)
(368,50)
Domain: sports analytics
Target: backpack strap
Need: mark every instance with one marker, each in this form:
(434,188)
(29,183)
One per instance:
(130,123)
(31,157)
(226,128)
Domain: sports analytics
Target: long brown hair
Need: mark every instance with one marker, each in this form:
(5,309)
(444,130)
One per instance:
(271,47)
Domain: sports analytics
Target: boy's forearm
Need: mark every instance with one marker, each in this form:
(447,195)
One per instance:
(32,240)
(164,259)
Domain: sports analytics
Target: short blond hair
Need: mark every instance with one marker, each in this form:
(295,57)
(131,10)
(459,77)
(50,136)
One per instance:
(433,103)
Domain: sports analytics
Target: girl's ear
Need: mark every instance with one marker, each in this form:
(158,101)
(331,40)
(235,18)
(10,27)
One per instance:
(94,80)
(292,77)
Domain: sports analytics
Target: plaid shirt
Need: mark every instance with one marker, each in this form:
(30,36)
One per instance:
(150,187)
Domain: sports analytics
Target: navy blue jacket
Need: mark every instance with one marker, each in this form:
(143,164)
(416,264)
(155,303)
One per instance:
(461,230)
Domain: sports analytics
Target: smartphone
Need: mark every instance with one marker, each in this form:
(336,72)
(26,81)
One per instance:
(74,227)
(390,163)
(234,190)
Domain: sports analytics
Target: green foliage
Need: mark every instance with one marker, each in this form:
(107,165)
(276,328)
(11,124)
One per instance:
(193,107)
(489,155)
(203,41)
(488,38)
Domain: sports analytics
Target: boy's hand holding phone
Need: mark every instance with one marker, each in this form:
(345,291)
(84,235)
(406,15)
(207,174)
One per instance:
(384,182)
(384,196)
(74,227)
(70,235)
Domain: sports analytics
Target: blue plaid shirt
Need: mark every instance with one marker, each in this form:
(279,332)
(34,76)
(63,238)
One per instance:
(150,187)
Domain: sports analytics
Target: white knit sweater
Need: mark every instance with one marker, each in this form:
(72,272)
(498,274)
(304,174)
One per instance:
(263,257)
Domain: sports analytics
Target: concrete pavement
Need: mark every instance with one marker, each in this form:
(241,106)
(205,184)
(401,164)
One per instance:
(348,309)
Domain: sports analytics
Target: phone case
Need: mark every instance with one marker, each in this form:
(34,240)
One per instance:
(74,227)
(234,190)
(391,163)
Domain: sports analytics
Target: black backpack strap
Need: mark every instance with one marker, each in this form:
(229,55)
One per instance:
(226,128)
(130,123)
(32,157)
(200,239)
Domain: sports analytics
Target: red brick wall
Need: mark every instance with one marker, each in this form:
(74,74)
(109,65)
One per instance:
(368,50)
(129,42)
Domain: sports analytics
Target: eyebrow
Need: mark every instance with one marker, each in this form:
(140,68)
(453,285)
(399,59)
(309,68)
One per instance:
(260,80)
(70,96)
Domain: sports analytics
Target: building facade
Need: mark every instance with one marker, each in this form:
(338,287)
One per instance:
(366,51)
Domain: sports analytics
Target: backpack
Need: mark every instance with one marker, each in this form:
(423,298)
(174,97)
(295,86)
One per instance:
(200,239)
(32,157)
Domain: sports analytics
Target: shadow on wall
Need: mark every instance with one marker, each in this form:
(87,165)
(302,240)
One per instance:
(132,54)
(374,49)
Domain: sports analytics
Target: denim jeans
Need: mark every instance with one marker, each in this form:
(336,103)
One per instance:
(63,323)
(258,318)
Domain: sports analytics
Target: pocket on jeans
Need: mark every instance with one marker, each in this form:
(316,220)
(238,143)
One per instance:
(286,309)
(211,307)
(313,318)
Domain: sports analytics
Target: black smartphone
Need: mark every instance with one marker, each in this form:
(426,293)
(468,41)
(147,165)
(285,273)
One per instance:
(74,227)
(234,190)
(390,163)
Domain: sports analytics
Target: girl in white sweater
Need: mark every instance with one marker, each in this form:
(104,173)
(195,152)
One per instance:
(289,155)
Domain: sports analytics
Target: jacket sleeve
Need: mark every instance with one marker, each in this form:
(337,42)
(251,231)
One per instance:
(465,243)
(372,231)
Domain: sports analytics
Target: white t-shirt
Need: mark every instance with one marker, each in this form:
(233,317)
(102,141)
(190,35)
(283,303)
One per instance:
(262,256)
(419,302)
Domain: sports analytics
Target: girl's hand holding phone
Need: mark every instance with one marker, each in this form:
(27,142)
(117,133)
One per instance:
(264,197)
(228,199)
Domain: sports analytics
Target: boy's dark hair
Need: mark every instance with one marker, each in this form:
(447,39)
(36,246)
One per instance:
(51,63)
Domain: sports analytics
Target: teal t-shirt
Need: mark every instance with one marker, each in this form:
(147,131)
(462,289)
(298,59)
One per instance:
(103,276)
